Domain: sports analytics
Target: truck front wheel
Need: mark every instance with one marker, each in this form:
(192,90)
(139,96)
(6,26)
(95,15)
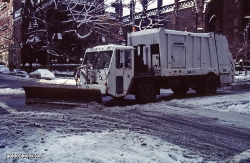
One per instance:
(146,92)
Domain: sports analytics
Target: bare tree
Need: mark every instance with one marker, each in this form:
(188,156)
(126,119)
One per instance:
(85,20)
(244,50)
(88,17)
(146,20)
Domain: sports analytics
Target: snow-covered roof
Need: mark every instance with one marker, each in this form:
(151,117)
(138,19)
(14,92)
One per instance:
(108,47)
(167,31)
(33,39)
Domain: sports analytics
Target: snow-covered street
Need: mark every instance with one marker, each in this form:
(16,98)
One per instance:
(192,129)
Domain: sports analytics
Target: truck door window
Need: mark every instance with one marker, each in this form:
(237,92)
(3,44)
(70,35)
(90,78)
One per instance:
(104,59)
(128,62)
(119,60)
(156,60)
(90,57)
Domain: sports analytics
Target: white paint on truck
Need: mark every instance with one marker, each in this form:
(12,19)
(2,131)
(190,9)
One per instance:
(186,53)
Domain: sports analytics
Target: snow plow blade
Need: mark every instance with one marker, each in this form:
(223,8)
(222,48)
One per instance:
(61,95)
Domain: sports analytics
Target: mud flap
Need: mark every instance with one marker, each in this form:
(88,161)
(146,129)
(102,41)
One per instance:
(61,95)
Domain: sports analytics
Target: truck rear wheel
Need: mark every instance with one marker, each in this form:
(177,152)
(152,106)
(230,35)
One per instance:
(146,92)
(208,86)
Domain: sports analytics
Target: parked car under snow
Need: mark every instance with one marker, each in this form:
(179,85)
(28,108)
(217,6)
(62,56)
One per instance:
(42,74)
(18,72)
(5,70)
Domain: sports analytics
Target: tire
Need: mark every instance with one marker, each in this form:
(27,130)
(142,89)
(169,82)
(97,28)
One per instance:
(208,86)
(146,92)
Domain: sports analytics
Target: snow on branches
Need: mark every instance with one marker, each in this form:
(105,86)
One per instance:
(88,17)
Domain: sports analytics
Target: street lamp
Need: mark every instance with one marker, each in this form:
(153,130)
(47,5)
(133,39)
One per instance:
(103,39)
(36,61)
(52,61)
(67,60)
(241,64)
(55,64)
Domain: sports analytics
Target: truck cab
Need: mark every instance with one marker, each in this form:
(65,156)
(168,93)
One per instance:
(108,68)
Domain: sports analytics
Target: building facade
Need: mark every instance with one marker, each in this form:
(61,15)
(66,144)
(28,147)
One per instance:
(17,33)
(7,54)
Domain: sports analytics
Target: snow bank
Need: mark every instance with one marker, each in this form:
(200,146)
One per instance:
(242,78)
(10,91)
(225,103)
(59,81)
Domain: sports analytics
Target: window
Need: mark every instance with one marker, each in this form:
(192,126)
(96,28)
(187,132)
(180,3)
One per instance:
(128,61)
(119,61)
(98,60)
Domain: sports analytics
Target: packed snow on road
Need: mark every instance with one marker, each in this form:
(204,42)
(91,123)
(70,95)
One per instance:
(44,135)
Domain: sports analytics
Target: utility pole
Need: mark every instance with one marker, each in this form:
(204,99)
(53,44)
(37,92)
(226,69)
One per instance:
(175,14)
(47,43)
(132,14)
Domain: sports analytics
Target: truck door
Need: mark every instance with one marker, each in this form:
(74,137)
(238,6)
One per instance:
(121,74)
(119,64)
(128,69)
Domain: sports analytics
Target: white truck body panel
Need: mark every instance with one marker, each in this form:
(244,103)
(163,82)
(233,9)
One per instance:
(185,53)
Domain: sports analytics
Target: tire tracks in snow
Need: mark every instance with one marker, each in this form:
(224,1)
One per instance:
(7,108)
(204,135)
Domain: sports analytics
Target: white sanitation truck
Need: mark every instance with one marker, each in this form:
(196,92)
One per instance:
(155,59)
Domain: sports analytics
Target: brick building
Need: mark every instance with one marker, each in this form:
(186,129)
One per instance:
(232,19)
(6,33)
(17,33)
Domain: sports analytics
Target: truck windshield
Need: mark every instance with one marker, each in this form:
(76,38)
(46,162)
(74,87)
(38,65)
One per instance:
(98,60)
